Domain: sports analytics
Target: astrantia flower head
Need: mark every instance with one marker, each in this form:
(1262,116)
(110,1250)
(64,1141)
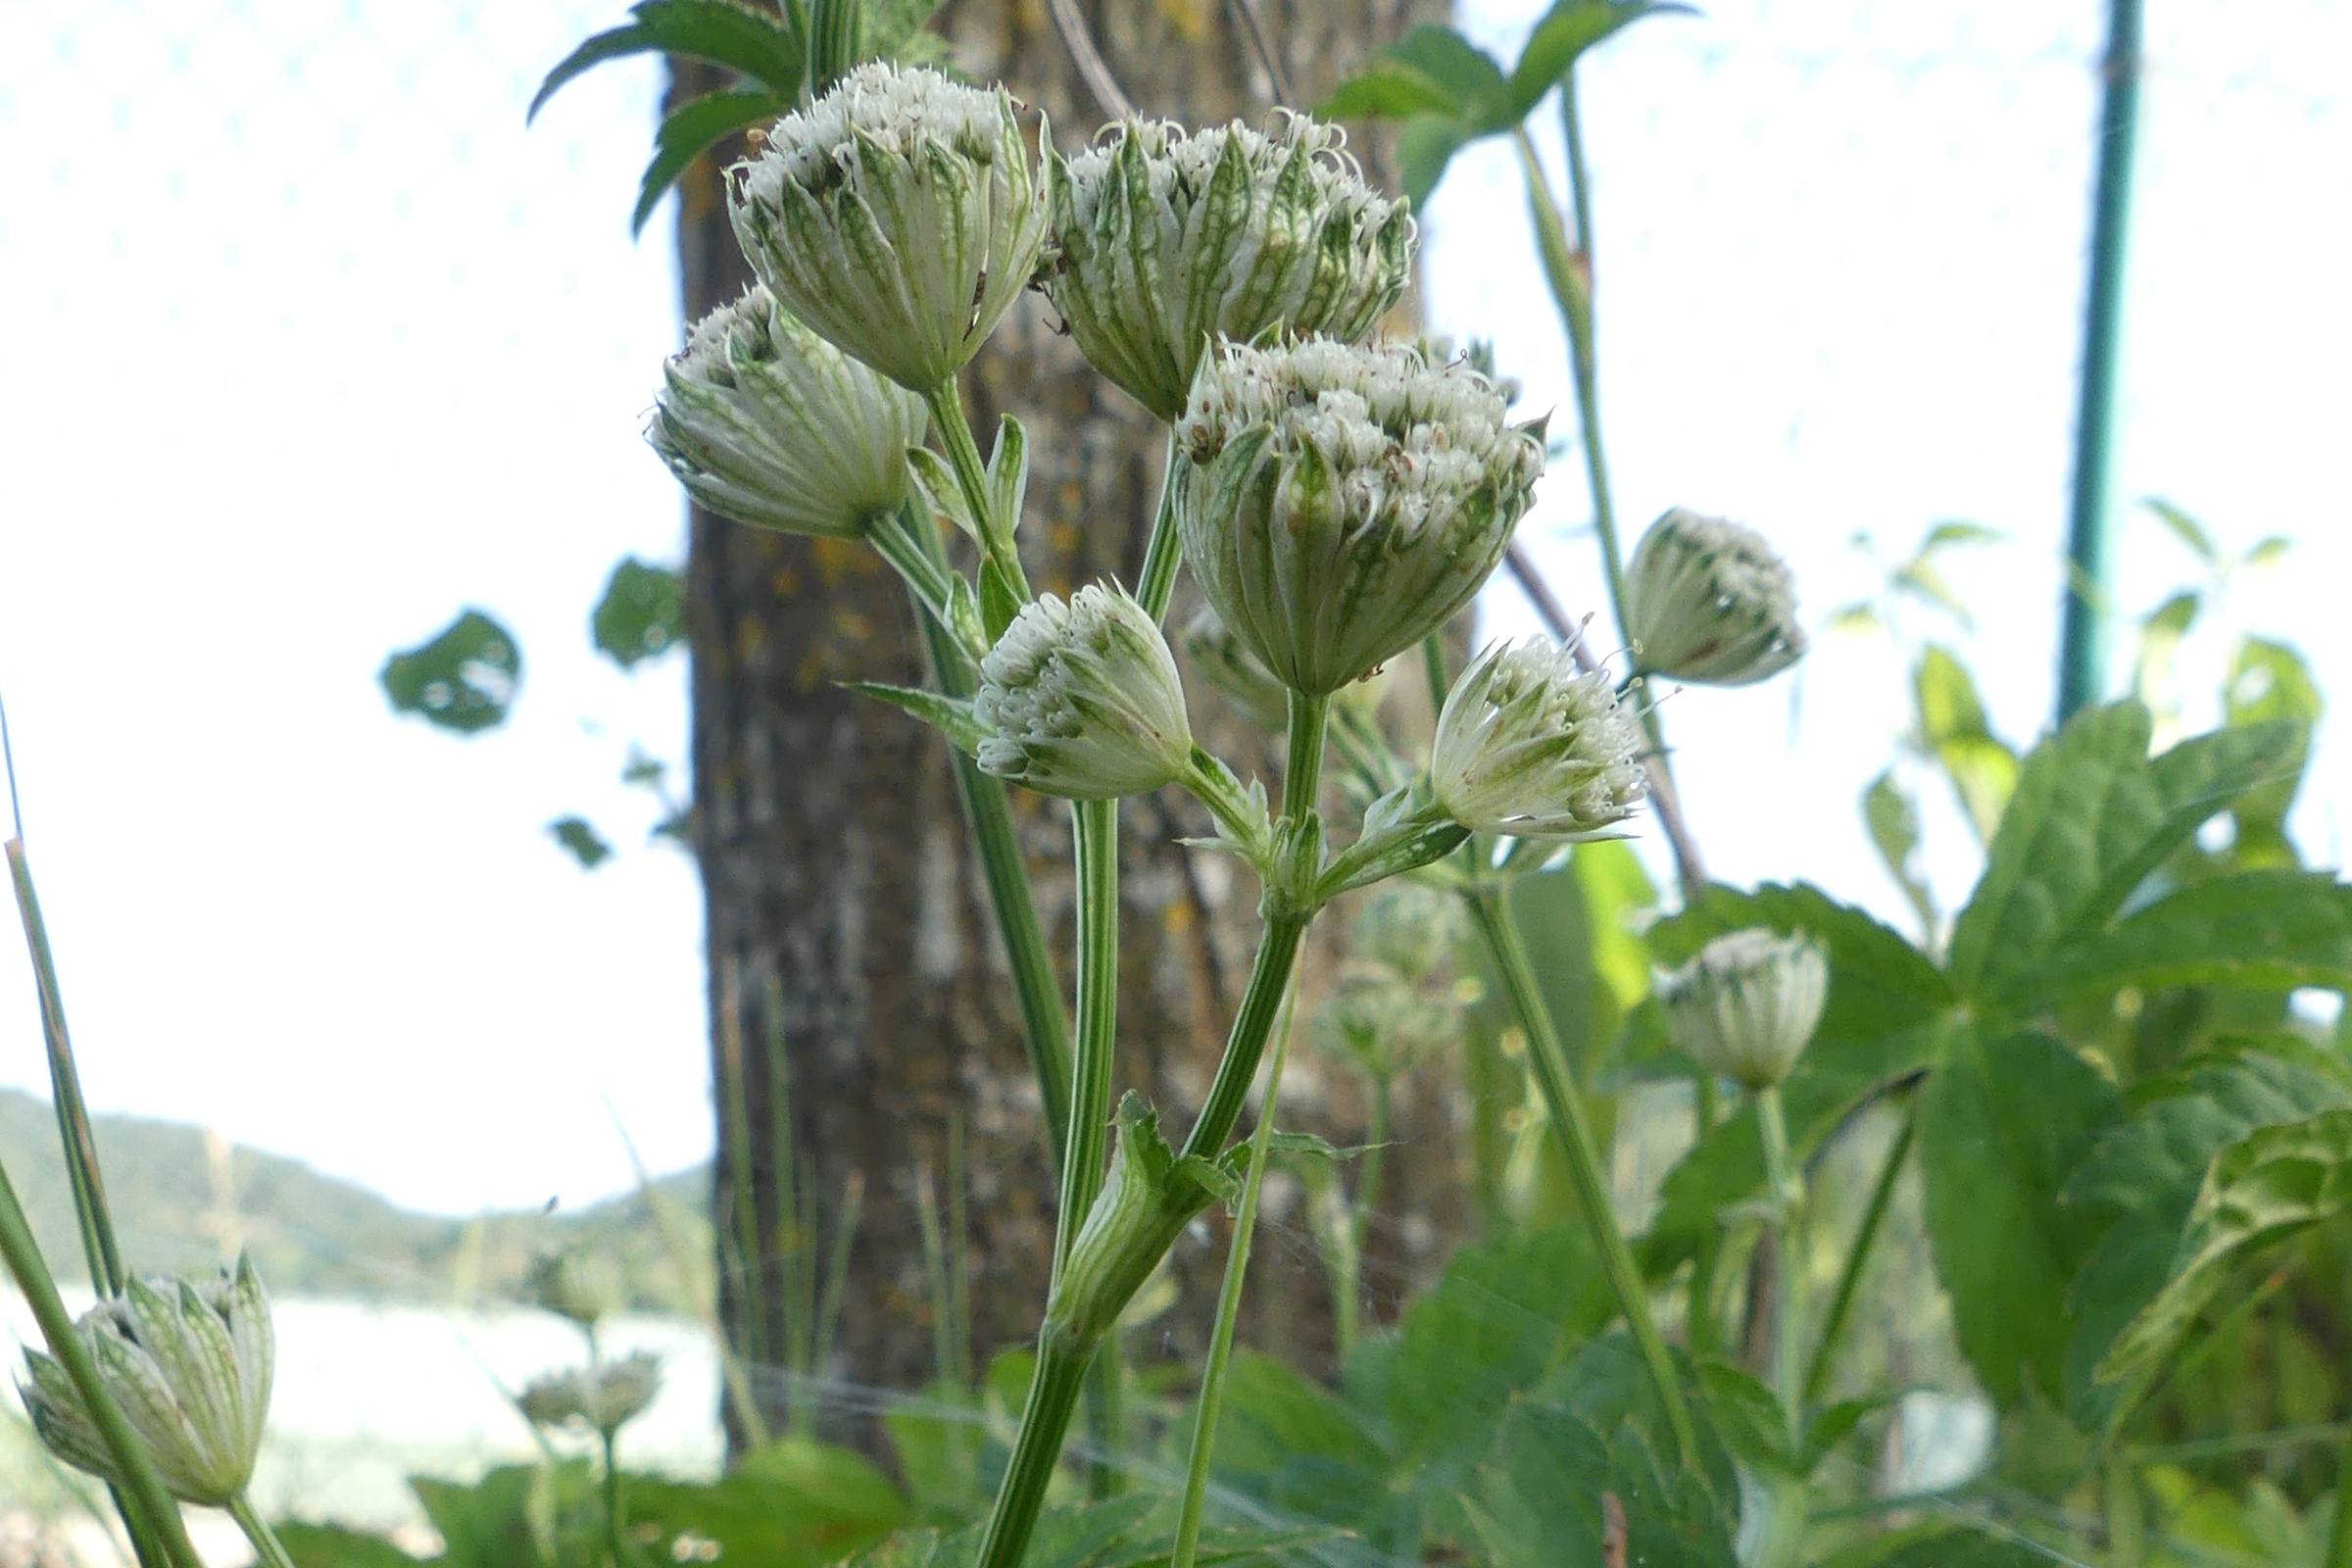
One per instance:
(604,1397)
(1709,602)
(763,422)
(898,215)
(189,1365)
(1335,503)
(1747,1006)
(1082,700)
(1169,239)
(1221,661)
(1531,746)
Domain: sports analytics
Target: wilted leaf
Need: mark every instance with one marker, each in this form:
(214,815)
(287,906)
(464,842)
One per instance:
(465,679)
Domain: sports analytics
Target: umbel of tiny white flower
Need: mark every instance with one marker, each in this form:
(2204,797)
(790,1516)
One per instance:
(1531,746)
(898,215)
(763,422)
(188,1364)
(1746,1005)
(1711,603)
(1335,503)
(604,1397)
(1082,700)
(1167,239)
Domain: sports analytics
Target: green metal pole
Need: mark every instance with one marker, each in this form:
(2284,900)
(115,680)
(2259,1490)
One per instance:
(2082,647)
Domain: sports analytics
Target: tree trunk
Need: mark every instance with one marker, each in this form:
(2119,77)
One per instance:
(834,859)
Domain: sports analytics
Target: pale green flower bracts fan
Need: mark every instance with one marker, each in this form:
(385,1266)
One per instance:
(898,215)
(1747,1006)
(1337,504)
(191,1366)
(1531,746)
(1167,239)
(1711,603)
(1082,700)
(766,422)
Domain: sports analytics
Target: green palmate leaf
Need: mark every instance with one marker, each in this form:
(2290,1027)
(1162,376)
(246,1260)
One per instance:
(642,614)
(1467,73)
(1300,1451)
(1593,1433)
(2002,1124)
(1888,1015)
(1567,30)
(695,129)
(2147,1172)
(1940,1545)
(463,679)
(727,34)
(2274,930)
(2263,1188)
(2090,818)
(1952,718)
(1389,90)
(581,840)
(1424,148)
(333,1546)
(952,717)
(798,1501)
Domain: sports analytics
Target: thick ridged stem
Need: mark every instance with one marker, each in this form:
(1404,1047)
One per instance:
(1094,834)
(1564,1103)
(1037,987)
(1788,1280)
(1054,1390)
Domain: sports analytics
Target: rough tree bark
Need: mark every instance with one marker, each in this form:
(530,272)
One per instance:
(832,853)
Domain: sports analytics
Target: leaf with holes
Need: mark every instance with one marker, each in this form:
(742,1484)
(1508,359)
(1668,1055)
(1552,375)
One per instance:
(463,679)
(641,615)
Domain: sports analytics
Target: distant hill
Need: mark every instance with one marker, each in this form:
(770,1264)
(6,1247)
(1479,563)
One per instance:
(183,1200)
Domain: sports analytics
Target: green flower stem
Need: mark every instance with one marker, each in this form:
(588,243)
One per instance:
(1699,1314)
(73,1115)
(1044,1027)
(616,1516)
(1562,1099)
(1849,1278)
(1077,1319)
(1788,1315)
(152,1511)
(1155,579)
(1094,831)
(971,477)
(2339,1540)
(1229,1308)
(267,1550)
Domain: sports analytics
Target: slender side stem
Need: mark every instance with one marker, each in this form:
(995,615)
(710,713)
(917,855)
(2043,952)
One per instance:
(1699,1314)
(1229,1308)
(1857,1257)
(971,477)
(1156,578)
(2126,1525)
(267,1550)
(743,1191)
(1562,1099)
(1359,1215)
(2339,1540)
(151,1509)
(1788,1315)
(1095,828)
(73,1115)
(1044,1027)
(2082,647)
(616,1513)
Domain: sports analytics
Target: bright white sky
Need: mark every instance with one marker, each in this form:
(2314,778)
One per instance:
(304,343)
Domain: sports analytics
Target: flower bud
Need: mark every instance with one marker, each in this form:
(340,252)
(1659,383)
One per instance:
(1745,1007)
(1382,1024)
(1082,700)
(763,422)
(1409,928)
(1169,239)
(1235,671)
(578,1285)
(1337,504)
(1530,746)
(189,1365)
(1709,602)
(898,215)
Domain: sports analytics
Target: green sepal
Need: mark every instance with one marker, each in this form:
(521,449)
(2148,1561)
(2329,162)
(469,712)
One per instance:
(936,478)
(952,717)
(1008,479)
(1000,598)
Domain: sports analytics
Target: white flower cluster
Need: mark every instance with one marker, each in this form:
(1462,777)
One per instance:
(898,215)
(1169,239)
(1710,602)
(764,421)
(1344,501)
(1082,700)
(604,1397)
(1531,746)
(190,1367)
(1745,1007)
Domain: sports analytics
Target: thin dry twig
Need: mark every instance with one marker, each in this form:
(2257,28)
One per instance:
(1663,798)
(1277,79)
(1108,96)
